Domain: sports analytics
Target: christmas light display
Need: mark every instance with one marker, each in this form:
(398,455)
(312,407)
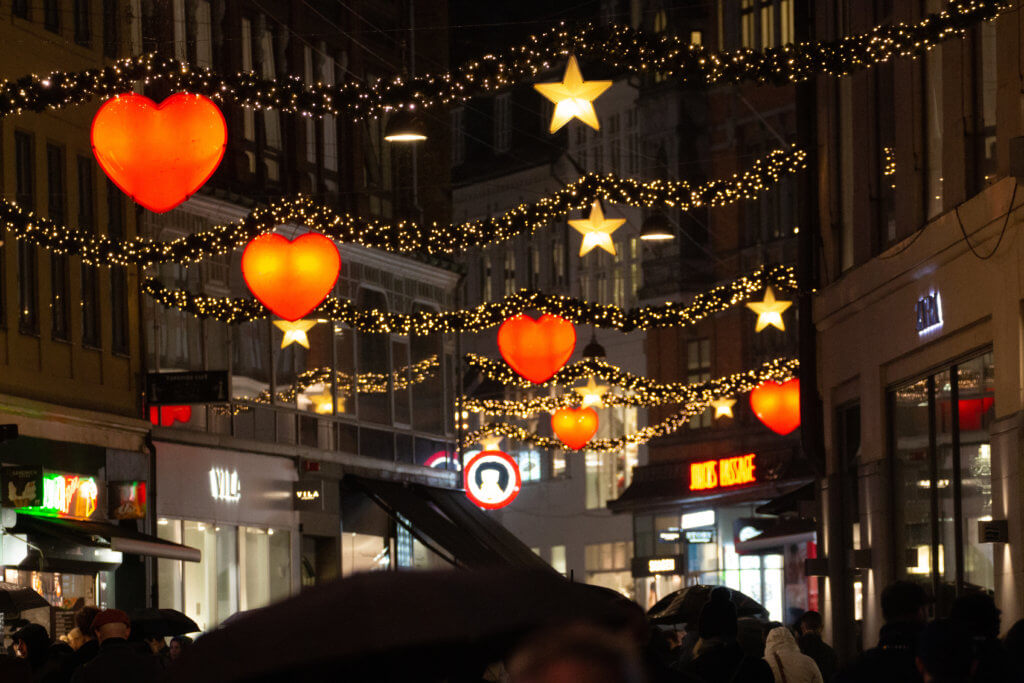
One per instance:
(777,405)
(574,427)
(536,349)
(401,236)
(596,230)
(291,277)
(620,48)
(769,311)
(295,332)
(486,315)
(573,97)
(159,154)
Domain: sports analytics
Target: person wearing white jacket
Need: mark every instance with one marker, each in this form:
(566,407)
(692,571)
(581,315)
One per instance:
(788,664)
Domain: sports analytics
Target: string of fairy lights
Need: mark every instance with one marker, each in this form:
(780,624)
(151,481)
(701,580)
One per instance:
(489,314)
(621,48)
(636,391)
(401,236)
(704,394)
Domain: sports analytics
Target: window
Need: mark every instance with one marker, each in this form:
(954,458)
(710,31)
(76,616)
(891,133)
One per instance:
(698,367)
(373,356)
(933,125)
(530,465)
(885,170)
(786,33)
(983,123)
(502,122)
(60,309)
(180,34)
(271,117)
(19,8)
(558,262)
(110,22)
(941,445)
(458,122)
(28,275)
(248,115)
(330,122)
(608,474)
(747,18)
(51,15)
(203,34)
(83,29)
(510,272)
(118,274)
(486,278)
(90,279)
(558,559)
(767,22)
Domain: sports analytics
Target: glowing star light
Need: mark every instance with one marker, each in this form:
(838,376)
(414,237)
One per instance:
(295,332)
(723,407)
(769,311)
(490,443)
(573,97)
(597,230)
(323,404)
(593,394)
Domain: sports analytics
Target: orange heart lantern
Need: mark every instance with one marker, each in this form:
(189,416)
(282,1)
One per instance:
(575,427)
(165,416)
(536,349)
(291,278)
(159,154)
(777,405)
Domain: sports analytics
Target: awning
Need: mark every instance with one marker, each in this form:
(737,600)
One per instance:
(782,532)
(105,536)
(798,501)
(447,522)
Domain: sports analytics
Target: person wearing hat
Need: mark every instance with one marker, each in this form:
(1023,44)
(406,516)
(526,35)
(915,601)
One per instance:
(32,643)
(118,661)
(718,657)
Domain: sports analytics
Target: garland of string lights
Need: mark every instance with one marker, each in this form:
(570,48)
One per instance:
(704,394)
(622,48)
(403,236)
(487,315)
(645,392)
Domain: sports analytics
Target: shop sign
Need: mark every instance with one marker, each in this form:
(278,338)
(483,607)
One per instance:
(700,536)
(723,473)
(929,313)
(662,565)
(22,486)
(127,500)
(309,495)
(69,495)
(670,535)
(698,519)
(185,388)
(225,485)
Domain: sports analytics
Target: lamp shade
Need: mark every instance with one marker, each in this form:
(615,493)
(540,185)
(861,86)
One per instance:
(594,349)
(405,126)
(656,228)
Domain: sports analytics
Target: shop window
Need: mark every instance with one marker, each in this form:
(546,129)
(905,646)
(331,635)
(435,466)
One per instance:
(265,566)
(608,565)
(169,572)
(199,592)
(250,364)
(364,553)
(941,459)
(429,404)
(698,369)
(373,350)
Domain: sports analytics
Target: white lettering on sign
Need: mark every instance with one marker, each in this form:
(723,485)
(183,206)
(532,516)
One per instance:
(665,564)
(225,485)
(929,313)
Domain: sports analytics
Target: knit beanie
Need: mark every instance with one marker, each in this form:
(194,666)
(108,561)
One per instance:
(718,616)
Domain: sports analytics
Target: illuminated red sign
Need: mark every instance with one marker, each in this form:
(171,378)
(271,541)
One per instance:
(716,474)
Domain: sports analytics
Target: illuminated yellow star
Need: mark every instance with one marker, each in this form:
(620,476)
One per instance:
(592,394)
(323,404)
(491,443)
(573,97)
(723,407)
(295,332)
(597,230)
(769,311)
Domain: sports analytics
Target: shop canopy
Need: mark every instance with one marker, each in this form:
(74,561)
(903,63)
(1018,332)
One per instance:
(449,524)
(73,532)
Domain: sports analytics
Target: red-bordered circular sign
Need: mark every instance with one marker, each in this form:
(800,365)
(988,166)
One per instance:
(443,460)
(492,479)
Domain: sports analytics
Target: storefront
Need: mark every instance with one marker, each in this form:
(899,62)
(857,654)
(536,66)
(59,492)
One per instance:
(698,522)
(238,510)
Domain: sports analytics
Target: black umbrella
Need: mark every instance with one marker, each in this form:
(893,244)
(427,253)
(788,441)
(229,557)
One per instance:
(15,598)
(684,606)
(150,622)
(394,626)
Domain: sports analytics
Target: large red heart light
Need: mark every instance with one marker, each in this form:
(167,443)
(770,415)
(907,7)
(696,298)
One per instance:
(159,154)
(575,427)
(777,405)
(536,349)
(165,416)
(291,278)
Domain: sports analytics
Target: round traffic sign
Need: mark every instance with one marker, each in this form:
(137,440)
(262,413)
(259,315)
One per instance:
(492,479)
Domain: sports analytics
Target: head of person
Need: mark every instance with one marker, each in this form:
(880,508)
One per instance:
(75,638)
(31,642)
(978,614)
(904,602)
(83,622)
(156,645)
(111,623)
(178,646)
(718,616)
(944,653)
(811,622)
(576,653)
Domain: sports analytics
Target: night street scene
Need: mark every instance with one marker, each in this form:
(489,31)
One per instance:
(565,341)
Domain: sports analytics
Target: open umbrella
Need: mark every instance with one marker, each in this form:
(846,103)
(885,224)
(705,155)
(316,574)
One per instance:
(150,622)
(394,626)
(684,606)
(15,598)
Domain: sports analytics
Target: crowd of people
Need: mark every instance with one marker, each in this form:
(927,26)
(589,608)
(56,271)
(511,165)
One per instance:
(101,647)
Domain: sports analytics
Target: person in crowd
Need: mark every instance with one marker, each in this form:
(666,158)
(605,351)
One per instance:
(977,615)
(178,646)
(893,659)
(811,644)
(89,647)
(1013,645)
(787,663)
(118,661)
(718,657)
(944,653)
(32,643)
(158,646)
(576,653)
(14,669)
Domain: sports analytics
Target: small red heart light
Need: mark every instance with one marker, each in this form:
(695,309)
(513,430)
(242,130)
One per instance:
(536,349)
(777,405)
(165,416)
(159,154)
(575,427)
(291,278)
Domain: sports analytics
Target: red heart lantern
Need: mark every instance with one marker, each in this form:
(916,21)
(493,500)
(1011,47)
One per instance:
(575,427)
(777,405)
(536,349)
(291,278)
(165,416)
(159,154)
